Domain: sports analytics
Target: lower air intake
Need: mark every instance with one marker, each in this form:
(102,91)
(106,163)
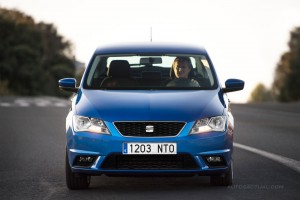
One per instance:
(156,162)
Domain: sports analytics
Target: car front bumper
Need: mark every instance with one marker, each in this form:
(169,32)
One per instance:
(197,147)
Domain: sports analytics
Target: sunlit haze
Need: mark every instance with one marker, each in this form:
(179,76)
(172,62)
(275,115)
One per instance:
(244,39)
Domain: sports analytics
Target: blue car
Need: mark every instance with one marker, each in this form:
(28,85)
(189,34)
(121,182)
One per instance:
(149,110)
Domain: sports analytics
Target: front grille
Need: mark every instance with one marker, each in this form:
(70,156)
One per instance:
(149,129)
(154,162)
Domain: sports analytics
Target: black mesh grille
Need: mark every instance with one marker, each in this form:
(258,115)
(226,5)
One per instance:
(156,162)
(155,129)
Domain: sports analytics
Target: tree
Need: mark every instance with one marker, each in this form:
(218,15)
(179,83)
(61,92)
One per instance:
(287,82)
(260,94)
(33,56)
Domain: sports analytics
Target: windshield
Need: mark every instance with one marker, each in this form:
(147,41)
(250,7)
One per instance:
(149,72)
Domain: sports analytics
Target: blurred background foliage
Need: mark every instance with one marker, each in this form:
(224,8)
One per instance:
(286,84)
(33,56)
(261,94)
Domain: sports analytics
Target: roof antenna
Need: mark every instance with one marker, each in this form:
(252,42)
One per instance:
(151,34)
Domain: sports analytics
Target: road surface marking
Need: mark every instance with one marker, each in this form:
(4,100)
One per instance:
(291,163)
(21,103)
(35,101)
(4,104)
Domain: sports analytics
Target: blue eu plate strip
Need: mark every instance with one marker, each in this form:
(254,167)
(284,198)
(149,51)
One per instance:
(125,148)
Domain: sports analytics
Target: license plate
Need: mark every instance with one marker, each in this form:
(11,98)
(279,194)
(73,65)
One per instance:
(149,148)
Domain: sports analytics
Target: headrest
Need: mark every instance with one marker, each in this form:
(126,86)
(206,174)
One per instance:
(119,69)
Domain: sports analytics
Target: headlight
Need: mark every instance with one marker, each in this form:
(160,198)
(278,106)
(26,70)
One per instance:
(81,123)
(209,124)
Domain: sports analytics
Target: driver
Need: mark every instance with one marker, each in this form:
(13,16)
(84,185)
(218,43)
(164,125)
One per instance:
(181,73)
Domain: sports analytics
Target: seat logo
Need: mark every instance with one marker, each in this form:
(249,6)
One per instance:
(149,129)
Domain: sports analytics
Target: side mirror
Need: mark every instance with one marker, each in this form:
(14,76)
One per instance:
(232,85)
(68,84)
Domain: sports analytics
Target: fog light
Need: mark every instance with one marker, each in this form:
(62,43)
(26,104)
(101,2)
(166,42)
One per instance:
(214,161)
(84,161)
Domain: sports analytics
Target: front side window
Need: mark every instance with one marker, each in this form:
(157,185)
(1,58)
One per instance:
(149,72)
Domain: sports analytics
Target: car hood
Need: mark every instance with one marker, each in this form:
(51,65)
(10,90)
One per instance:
(159,105)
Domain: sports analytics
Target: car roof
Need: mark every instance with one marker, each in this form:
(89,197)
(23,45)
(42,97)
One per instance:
(150,48)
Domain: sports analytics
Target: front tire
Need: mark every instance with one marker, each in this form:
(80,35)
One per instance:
(75,181)
(224,179)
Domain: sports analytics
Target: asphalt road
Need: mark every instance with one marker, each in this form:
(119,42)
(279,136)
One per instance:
(32,150)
